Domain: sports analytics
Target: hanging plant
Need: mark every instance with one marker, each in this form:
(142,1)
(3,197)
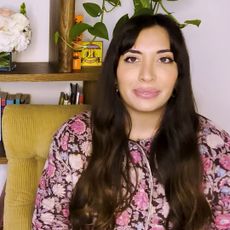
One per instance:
(97,11)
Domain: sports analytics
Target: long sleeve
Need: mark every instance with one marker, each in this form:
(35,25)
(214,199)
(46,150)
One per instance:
(65,163)
(221,186)
(215,150)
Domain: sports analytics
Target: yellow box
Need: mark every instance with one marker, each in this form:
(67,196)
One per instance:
(91,54)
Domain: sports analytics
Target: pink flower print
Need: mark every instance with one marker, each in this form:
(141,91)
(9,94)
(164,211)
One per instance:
(207,163)
(65,212)
(64,141)
(225,201)
(154,220)
(222,221)
(50,170)
(141,200)
(42,183)
(38,200)
(155,224)
(224,181)
(214,141)
(37,224)
(123,219)
(225,162)
(136,157)
(78,126)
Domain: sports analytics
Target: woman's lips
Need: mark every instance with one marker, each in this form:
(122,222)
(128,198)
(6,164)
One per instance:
(146,93)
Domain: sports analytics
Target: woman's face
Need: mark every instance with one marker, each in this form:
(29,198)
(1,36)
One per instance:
(147,73)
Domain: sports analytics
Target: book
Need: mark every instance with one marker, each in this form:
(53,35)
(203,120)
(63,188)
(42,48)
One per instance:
(18,98)
(0,121)
(25,99)
(61,98)
(10,99)
(74,89)
(66,99)
(3,96)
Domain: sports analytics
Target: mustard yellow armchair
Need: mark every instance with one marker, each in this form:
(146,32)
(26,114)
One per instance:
(27,134)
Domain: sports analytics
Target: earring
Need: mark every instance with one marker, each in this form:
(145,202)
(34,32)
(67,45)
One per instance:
(116,88)
(174,93)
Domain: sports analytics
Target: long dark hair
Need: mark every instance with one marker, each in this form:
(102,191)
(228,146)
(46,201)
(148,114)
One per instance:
(99,194)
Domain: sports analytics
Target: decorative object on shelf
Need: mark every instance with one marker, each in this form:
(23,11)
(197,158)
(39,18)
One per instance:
(6,62)
(66,22)
(91,54)
(15,35)
(77,41)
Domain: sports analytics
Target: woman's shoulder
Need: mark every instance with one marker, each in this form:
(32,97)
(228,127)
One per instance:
(72,142)
(212,139)
(79,124)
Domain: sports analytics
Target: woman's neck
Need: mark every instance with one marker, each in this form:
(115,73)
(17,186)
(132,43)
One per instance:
(144,125)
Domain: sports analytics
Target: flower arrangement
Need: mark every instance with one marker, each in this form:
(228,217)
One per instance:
(15,31)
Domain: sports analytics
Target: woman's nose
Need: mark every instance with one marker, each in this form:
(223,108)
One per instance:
(147,72)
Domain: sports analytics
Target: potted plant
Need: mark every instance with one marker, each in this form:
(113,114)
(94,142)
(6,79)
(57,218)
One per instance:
(97,11)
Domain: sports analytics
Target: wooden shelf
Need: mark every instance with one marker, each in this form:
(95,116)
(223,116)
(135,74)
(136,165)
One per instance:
(3,159)
(47,72)
(44,71)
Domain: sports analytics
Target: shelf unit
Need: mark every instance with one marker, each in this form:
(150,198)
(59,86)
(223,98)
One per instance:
(48,72)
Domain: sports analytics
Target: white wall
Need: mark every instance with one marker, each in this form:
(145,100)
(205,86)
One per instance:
(209,47)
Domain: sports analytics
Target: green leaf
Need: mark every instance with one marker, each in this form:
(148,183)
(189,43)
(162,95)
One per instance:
(99,30)
(195,22)
(120,22)
(146,3)
(182,25)
(56,37)
(143,11)
(140,4)
(93,9)
(114,2)
(23,8)
(4,54)
(77,29)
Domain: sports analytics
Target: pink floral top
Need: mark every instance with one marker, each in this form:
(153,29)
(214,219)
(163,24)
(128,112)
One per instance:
(68,157)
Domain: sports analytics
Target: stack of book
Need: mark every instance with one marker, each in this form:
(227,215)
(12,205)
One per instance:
(74,97)
(7,99)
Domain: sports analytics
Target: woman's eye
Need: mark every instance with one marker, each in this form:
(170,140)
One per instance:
(130,59)
(166,60)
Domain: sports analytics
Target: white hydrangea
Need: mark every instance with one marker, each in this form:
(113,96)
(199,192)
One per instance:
(15,31)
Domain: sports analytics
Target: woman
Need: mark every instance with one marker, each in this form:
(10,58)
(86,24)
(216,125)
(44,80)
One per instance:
(143,158)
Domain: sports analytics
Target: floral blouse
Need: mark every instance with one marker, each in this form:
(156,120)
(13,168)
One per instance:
(68,157)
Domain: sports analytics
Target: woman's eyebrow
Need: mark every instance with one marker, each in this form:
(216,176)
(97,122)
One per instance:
(133,51)
(139,52)
(164,51)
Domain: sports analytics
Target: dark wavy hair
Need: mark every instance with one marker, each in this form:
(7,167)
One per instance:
(175,160)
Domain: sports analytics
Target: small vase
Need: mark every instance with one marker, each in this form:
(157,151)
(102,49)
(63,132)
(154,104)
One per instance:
(6,62)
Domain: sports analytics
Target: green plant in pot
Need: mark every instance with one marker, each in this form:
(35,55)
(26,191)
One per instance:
(98,12)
